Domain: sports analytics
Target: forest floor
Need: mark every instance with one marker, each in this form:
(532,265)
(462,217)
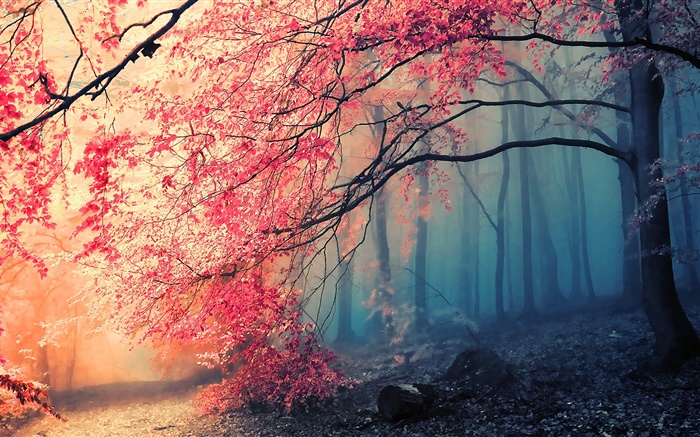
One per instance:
(572,376)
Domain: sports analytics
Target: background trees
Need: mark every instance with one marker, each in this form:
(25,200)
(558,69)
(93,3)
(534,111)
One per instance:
(220,173)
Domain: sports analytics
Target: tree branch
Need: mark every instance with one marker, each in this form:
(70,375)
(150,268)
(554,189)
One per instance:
(476,197)
(374,184)
(570,115)
(556,103)
(101,82)
(657,47)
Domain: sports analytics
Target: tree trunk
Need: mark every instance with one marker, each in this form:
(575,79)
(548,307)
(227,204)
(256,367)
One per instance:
(552,292)
(676,340)
(470,240)
(421,316)
(420,267)
(576,191)
(345,289)
(583,217)
(574,228)
(508,261)
(476,231)
(42,365)
(465,294)
(384,321)
(500,215)
(526,218)
(528,287)
(70,368)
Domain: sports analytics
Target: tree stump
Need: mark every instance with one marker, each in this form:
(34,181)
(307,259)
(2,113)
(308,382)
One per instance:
(398,402)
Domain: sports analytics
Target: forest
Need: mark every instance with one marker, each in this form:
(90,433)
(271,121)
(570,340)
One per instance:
(351,217)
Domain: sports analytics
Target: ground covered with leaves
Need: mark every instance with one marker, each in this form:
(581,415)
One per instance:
(568,374)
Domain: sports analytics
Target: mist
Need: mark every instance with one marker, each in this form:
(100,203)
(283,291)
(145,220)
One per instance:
(350,223)
(582,238)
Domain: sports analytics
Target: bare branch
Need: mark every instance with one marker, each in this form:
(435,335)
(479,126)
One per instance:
(373,183)
(476,197)
(570,115)
(637,42)
(552,102)
(101,82)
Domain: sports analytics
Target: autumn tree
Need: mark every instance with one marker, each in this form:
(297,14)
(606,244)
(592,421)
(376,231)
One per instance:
(23,394)
(213,137)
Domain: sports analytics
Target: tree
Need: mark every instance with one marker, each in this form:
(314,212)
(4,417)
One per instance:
(470,230)
(345,291)
(23,393)
(232,179)
(524,161)
(383,302)
(420,261)
(676,340)
(578,178)
(500,213)
(550,268)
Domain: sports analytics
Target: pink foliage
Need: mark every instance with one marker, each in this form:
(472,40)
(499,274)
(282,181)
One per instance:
(291,377)
(686,172)
(676,175)
(23,395)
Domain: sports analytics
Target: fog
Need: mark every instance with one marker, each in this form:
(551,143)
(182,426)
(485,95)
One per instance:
(461,250)
(581,235)
(579,232)
(53,338)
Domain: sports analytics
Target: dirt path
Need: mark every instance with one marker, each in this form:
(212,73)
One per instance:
(123,410)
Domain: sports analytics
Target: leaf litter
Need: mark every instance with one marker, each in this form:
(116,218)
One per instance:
(575,375)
